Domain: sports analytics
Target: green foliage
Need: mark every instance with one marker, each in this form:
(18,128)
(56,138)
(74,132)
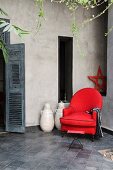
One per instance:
(20,32)
(39,3)
(40,13)
(2,12)
(4,50)
(7,27)
(74,29)
(72,5)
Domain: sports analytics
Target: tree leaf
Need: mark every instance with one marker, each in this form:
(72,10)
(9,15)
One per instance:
(4,24)
(2,12)
(7,27)
(4,50)
(20,30)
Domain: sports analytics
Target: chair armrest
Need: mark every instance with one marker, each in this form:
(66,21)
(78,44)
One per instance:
(67,111)
(94,115)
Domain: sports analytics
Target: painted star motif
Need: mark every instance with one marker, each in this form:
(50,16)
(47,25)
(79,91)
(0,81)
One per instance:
(99,80)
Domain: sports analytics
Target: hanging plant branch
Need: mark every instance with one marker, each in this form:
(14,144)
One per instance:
(8,27)
(19,31)
(2,12)
(87,4)
(110,30)
(97,16)
(72,5)
(40,13)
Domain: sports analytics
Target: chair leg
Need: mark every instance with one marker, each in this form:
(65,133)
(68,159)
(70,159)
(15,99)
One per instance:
(92,138)
(77,140)
(62,134)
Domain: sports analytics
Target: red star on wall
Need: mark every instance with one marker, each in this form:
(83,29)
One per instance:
(99,80)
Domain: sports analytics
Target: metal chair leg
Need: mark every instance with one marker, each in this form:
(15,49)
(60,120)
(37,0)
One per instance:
(76,138)
(92,138)
(71,143)
(80,143)
(62,134)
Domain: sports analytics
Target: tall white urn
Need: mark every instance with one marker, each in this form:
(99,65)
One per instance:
(47,119)
(58,115)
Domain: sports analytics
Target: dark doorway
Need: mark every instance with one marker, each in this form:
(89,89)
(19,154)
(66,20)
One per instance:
(65,45)
(6,39)
(2,91)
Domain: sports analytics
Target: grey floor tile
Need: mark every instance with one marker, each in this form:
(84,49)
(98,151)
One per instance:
(59,167)
(90,168)
(36,150)
(76,167)
(83,155)
(16,163)
(94,164)
(10,168)
(44,167)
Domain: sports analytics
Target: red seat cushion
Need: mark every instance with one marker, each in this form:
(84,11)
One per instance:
(78,119)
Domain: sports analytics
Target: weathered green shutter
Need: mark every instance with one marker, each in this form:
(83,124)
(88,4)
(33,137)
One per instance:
(15,89)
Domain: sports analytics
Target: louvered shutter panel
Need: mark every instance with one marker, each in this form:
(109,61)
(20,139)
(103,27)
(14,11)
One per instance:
(15,89)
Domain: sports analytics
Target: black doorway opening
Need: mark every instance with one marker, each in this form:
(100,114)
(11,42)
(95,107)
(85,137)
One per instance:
(65,60)
(2,92)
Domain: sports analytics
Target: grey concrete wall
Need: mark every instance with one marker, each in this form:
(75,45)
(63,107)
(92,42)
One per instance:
(108,100)
(41,60)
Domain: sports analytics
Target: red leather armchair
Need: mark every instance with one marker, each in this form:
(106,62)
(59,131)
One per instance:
(76,116)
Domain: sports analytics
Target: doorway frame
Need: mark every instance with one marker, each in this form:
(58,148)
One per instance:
(59,39)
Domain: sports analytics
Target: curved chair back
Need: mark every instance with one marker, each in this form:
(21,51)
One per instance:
(86,99)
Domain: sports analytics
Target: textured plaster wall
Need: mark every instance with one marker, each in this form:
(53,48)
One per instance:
(108,100)
(41,59)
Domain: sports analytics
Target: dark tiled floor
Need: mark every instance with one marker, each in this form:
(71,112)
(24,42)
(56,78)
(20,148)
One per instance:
(36,150)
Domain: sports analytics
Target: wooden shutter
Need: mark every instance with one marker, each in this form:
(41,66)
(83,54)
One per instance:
(15,89)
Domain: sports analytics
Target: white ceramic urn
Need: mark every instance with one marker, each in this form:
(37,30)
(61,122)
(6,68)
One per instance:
(47,119)
(58,115)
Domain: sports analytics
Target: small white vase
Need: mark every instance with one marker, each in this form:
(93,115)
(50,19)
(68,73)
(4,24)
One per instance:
(47,119)
(58,115)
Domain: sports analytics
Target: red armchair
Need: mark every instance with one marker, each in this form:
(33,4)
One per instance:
(76,117)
